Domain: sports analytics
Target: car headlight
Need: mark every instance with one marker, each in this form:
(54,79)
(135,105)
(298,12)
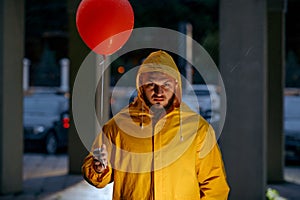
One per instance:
(38,129)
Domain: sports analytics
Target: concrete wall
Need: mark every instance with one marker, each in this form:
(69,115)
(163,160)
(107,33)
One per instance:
(79,53)
(276,68)
(243,64)
(11,91)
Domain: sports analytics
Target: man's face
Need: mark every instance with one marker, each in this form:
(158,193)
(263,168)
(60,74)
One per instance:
(158,88)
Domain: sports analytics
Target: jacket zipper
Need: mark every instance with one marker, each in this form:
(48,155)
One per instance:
(152,166)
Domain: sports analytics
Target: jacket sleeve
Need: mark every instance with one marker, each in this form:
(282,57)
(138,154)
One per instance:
(94,178)
(210,169)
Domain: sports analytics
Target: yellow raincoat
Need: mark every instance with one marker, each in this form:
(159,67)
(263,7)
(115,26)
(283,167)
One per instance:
(175,158)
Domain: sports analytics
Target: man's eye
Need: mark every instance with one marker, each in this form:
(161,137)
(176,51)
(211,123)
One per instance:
(167,85)
(150,85)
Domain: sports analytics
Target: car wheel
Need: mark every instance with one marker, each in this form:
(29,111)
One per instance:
(51,143)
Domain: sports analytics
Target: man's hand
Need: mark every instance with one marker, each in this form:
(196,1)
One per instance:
(100,158)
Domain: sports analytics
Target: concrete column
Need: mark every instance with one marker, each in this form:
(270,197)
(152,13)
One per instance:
(11,91)
(243,64)
(77,54)
(276,49)
(102,98)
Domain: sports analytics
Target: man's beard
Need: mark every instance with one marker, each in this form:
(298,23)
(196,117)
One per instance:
(158,109)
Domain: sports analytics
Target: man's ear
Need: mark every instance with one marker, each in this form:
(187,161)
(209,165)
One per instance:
(141,89)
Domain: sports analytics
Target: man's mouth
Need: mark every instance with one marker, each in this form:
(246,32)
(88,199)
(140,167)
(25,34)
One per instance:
(158,99)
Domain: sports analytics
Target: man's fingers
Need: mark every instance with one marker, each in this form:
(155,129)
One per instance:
(103,147)
(99,168)
(97,162)
(100,158)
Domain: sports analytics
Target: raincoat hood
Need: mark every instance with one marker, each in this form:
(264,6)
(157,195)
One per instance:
(160,61)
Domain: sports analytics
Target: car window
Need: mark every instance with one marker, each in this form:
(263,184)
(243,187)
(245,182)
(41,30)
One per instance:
(201,92)
(48,105)
(292,107)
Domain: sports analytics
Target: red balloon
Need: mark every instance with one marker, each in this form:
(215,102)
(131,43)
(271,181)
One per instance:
(104,25)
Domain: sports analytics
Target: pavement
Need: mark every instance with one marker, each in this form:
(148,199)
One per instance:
(290,189)
(45,177)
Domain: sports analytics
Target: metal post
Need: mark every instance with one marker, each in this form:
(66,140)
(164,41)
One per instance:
(64,78)
(26,73)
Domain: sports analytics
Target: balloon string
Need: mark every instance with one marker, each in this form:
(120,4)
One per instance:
(103,61)
(102,65)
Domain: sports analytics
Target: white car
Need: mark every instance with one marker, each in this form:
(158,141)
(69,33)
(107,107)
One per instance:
(203,99)
(292,127)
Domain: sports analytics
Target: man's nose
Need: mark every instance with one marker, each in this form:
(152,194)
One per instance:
(158,89)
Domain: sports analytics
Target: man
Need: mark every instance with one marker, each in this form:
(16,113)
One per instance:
(157,147)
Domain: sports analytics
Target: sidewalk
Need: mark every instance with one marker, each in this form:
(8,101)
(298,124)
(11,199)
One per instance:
(291,188)
(46,178)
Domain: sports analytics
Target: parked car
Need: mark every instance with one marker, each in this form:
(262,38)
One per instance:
(46,121)
(292,127)
(121,97)
(203,99)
